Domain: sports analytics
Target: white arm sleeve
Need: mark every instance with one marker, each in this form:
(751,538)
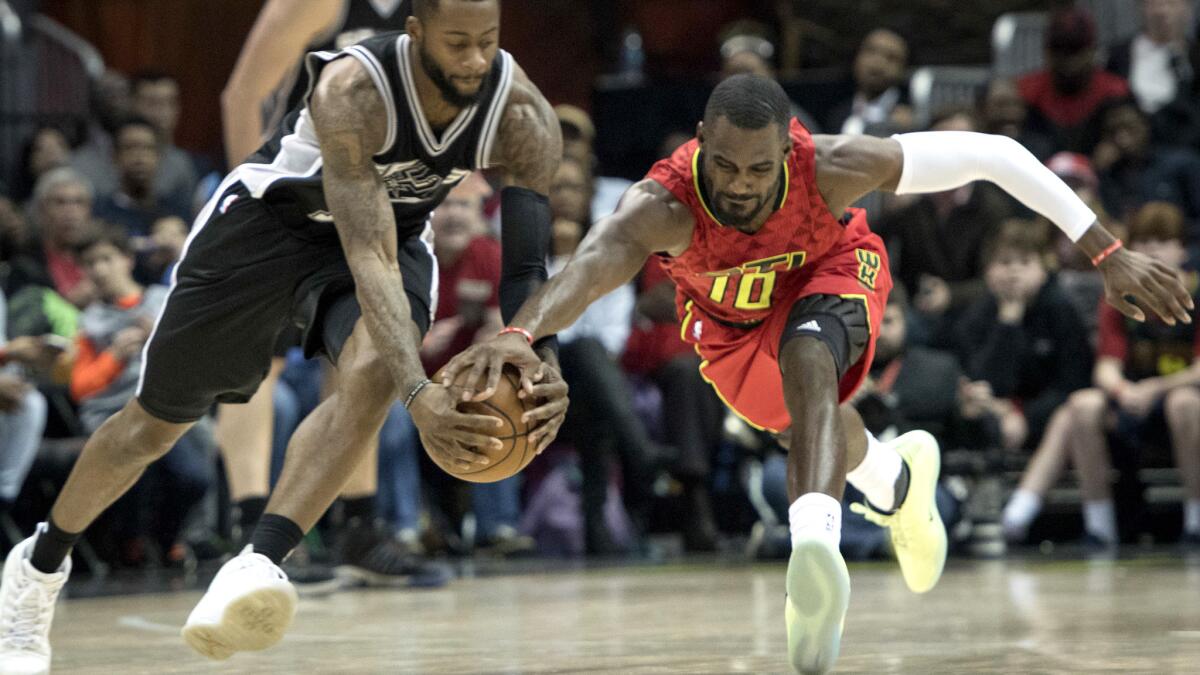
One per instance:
(936,161)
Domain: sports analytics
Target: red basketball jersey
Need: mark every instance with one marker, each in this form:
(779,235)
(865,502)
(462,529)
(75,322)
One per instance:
(733,276)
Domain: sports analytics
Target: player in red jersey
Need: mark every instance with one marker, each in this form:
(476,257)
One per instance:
(781,290)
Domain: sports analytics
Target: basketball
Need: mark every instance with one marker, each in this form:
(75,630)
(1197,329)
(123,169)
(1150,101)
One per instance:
(516,452)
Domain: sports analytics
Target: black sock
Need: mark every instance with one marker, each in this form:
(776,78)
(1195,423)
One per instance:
(358,510)
(275,537)
(250,510)
(900,489)
(52,547)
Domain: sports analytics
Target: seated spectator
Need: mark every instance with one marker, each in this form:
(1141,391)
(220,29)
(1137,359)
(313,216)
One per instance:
(1023,338)
(48,148)
(163,248)
(22,420)
(751,54)
(601,422)
(692,413)
(1147,374)
(912,387)
(135,205)
(579,135)
(1161,64)
(1004,112)
(1134,171)
(62,209)
(879,106)
(110,101)
(112,333)
(156,98)
(1064,96)
(936,243)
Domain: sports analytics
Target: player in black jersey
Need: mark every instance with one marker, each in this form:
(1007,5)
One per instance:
(268,81)
(326,227)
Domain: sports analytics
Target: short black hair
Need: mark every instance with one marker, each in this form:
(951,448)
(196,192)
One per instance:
(133,121)
(750,102)
(423,9)
(105,233)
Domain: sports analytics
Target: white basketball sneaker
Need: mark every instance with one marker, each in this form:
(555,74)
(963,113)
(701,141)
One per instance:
(27,599)
(248,607)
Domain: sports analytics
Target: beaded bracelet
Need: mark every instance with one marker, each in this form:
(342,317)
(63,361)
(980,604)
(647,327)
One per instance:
(412,395)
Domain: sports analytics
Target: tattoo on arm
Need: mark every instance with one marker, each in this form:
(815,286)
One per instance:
(349,118)
(529,145)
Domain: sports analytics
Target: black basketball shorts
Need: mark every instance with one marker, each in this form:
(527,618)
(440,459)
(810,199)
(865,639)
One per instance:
(244,278)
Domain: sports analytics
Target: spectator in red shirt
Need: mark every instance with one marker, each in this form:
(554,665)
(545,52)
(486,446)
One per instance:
(1063,96)
(468,295)
(63,212)
(1148,375)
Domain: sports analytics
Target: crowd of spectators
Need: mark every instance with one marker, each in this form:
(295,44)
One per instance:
(996,339)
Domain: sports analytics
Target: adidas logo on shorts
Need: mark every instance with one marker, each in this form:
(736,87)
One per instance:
(810,326)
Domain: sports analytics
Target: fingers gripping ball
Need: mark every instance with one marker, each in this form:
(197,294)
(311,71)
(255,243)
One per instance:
(516,451)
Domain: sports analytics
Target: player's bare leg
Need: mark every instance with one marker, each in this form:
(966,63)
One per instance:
(365,550)
(250,604)
(1182,410)
(36,569)
(818,585)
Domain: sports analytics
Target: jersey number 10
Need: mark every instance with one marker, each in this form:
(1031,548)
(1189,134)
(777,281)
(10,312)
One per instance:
(752,283)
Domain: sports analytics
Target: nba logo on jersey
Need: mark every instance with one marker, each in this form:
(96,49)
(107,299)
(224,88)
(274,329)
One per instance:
(697,329)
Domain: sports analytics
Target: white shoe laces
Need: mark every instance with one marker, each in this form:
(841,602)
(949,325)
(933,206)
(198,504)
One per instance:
(26,621)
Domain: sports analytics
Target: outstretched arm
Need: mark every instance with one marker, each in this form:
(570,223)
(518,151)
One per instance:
(648,220)
(850,167)
(348,115)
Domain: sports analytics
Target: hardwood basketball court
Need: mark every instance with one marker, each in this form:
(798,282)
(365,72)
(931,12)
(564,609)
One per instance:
(1016,616)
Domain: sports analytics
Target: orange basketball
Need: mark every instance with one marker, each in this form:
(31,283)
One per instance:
(516,452)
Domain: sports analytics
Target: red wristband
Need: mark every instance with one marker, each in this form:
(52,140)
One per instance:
(521,331)
(1102,255)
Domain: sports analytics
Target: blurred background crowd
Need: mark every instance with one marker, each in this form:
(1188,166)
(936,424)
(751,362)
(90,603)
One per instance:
(1059,419)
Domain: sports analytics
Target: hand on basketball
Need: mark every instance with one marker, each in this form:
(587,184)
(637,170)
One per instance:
(1149,282)
(485,363)
(551,393)
(449,434)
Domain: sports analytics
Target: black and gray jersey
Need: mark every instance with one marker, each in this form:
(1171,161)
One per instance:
(417,164)
(357,21)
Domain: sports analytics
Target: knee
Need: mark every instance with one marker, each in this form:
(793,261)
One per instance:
(139,437)
(1182,405)
(1088,405)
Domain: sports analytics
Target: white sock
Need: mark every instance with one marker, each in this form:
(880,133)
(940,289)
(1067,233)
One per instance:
(1191,516)
(1100,520)
(1020,511)
(816,514)
(876,476)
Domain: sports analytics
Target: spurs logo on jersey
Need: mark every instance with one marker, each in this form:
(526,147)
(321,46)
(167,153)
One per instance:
(412,182)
